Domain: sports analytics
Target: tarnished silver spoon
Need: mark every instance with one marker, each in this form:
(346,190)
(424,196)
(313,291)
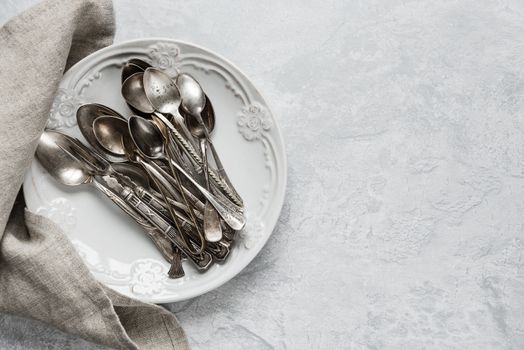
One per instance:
(113,134)
(145,98)
(212,228)
(59,161)
(148,139)
(134,94)
(194,102)
(85,116)
(133,66)
(164,97)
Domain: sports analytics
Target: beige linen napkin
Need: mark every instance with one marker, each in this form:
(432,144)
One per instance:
(41,276)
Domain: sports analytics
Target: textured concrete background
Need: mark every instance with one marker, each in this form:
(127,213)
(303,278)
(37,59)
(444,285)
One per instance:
(403,226)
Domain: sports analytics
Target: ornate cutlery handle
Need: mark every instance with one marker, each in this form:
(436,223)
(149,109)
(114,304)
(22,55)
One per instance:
(202,261)
(190,151)
(231,214)
(123,205)
(159,206)
(162,243)
(222,175)
(219,250)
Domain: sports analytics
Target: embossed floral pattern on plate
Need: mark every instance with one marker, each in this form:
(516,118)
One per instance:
(165,56)
(147,277)
(63,110)
(253,121)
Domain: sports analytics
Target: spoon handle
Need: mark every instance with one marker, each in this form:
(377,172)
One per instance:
(190,151)
(153,233)
(180,126)
(176,270)
(159,205)
(202,261)
(180,123)
(182,206)
(162,179)
(167,180)
(212,229)
(122,204)
(220,168)
(232,215)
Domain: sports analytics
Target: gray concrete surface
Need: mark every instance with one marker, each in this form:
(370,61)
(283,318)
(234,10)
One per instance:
(403,226)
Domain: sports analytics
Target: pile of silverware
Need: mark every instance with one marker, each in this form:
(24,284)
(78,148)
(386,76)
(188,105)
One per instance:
(155,165)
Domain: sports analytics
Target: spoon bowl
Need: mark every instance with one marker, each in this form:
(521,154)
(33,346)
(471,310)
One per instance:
(134,94)
(147,137)
(192,94)
(85,117)
(133,66)
(109,132)
(161,91)
(193,102)
(208,116)
(62,166)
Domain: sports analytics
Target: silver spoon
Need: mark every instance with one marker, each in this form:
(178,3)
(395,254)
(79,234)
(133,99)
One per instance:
(164,97)
(164,183)
(208,115)
(98,165)
(133,66)
(85,116)
(143,95)
(148,139)
(68,170)
(194,102)
(117,127)
(212,228)
(111,132)
(134,94)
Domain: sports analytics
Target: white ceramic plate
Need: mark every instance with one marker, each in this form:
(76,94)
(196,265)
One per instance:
(246,136)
